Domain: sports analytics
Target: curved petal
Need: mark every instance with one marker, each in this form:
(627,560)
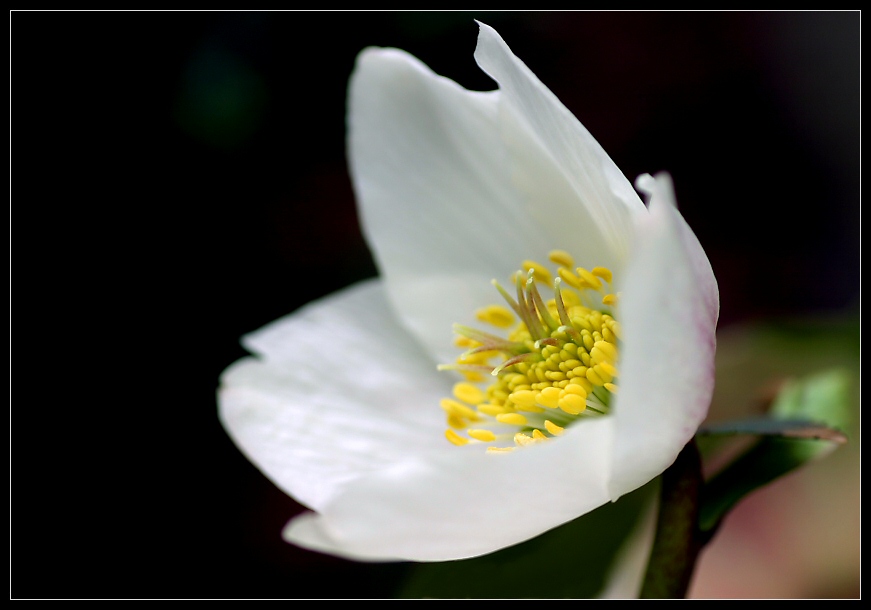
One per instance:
(607,198)
(339,390)
(462,503)
(457,187)
(669,313)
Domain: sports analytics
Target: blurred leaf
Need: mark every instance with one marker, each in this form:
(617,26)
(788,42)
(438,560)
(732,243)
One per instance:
(571,561)
(820,403)
(763,426)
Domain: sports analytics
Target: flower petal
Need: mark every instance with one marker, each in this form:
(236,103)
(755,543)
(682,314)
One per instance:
(339,390)
(669,313)
(606,198)
(463,503)
(457,187)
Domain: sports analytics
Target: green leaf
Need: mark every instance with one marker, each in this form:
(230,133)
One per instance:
(807,418)
(571,561)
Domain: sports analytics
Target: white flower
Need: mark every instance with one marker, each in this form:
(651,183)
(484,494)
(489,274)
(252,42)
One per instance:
(339,407)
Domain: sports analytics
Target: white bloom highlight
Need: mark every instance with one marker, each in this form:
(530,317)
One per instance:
(455,188)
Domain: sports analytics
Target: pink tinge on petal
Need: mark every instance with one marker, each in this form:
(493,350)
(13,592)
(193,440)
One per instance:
(669,312)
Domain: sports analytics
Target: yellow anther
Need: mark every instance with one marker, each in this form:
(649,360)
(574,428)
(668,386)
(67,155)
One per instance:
(455,438)
(515,419)
(456,422)
(553,428)
(500,449)
(569,278)
(572,404)
(560,351)
(473,376)
(607,368)
(523,440)
(583,382)
(548,397)
(574,388)
(608,350)
(594,378)
(469,393)
(491,410)
(561,258)
(602,272)
(588,278)
(531,409)
(570,298)
(452,407)
(616,329)
(461,341)
(481,435)
(496,315)
(603,373)
(524,398)
(539,272)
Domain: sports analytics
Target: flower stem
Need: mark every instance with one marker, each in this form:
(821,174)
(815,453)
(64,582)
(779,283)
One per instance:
(678,539)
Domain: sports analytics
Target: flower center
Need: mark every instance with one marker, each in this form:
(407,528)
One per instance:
(557,365)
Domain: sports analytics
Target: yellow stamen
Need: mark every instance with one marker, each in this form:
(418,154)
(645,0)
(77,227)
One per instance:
(576,389)
(572,404)
(607,350)
(496,315)
(491,410)
(455,438)
(569,278)
(525,398)
(607,368)
(590,279)
(554,357)
(456,422)
(553,428)
(583,382)
(548,397)
(594,378)
(452,407)
(540,272)
(515,419)
(561,258)
(469,393)
(523,440)
(530,408)
(500,449)
(481,435)
(603,273)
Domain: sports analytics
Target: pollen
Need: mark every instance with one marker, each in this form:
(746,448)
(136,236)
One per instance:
(553,362)
(497,315)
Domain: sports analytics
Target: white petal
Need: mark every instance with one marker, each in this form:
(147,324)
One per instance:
(339,390)
(606,198)
(463,503)
(669,312)
(457,187)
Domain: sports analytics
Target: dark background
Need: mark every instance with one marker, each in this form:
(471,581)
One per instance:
(178,179)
